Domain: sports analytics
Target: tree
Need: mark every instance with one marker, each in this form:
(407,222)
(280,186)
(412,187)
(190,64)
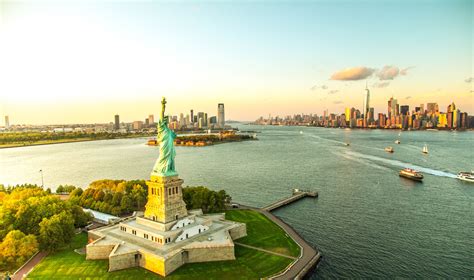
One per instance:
(81,218)
(126,204)
(76,192)
(16,248)
(117,199)
(56,231)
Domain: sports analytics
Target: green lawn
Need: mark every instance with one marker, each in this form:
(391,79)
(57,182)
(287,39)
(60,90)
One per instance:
(250,263)
(263,233)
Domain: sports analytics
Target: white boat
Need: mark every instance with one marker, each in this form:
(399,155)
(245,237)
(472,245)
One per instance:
(425,149)
(397,141)
(389,149)
(466,176)
(301,131)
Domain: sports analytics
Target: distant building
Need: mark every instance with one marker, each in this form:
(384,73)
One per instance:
(117,122)
(151,119)
(220,115)
(432,108)
(137,125)
(7,122)
(404,109)
(192,116)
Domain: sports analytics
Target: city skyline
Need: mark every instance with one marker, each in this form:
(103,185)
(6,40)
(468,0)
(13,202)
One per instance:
(60,62)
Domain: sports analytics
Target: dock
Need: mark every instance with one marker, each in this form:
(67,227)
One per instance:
(297,195)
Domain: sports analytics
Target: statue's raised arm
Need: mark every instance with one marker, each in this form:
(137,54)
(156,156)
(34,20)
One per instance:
(163,107)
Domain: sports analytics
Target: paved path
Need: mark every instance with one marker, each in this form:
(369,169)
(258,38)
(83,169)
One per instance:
(266,251)
(308,258)
(29,266)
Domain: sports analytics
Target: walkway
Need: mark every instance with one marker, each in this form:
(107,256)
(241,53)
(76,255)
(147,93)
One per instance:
(308,259)
(23,271)
(265,251)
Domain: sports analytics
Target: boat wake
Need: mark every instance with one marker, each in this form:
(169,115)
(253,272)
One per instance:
(402,164)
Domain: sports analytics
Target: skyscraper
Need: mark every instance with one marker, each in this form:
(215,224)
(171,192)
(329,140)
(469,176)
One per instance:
(367,103)
(117,122)
(404,109)
(220,115)
(7,122)
(151,119)
(192,116)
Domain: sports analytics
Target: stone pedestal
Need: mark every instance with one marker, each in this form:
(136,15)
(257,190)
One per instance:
(165,199)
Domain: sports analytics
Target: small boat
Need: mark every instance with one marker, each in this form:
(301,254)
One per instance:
(425,149)
(347,144)
(301,131)
(389,149)
(466,176)
(411,174)
(397,141)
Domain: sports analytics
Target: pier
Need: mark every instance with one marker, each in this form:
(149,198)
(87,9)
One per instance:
(297,195)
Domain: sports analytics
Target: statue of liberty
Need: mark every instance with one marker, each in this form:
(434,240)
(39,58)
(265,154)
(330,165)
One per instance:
(164,166)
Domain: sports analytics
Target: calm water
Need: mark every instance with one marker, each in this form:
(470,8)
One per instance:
(367,222)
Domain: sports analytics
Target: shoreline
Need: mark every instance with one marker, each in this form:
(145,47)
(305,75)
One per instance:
(369,128)
(63,141)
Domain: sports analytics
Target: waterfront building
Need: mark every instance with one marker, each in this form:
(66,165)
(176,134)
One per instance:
(432,108)
(442,120)
(151,119)
(167,235)
(220,115)
(348,114)
(366,105)
(192,116)
(147,122)
(137,125)
(7,122)
(117,122)
(404,109)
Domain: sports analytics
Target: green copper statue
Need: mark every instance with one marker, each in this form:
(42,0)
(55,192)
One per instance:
(164,166)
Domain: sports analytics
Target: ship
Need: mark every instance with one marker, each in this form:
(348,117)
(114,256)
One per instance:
(425,149)
(466,176)
(411,174)
(389,149)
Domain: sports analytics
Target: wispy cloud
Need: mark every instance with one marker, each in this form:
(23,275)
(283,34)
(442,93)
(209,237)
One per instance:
(404,71)
(338,102)
(353,74)
(408,97)
(316,87)
(333,91)
(469,80)
(381,84)
(388,73)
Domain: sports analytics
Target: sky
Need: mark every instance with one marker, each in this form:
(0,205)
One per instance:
(85,61)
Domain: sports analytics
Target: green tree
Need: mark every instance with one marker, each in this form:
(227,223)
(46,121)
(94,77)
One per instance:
(126,204)
(76,192)
(56,231)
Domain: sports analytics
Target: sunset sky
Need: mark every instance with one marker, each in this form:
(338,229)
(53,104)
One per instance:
(84,62)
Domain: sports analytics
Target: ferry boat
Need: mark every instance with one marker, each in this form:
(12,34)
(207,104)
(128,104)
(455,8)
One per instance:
(411,174)
(425,149)
(389,149)
(466,176)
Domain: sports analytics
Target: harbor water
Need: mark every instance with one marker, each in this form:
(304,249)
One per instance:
(367,222)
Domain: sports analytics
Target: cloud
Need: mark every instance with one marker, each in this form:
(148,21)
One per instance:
(353,74)
(381,84)
(408,97)
(469,80)
(404,72)
(316,86)
(389,72)
(333,91)
(338,102)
